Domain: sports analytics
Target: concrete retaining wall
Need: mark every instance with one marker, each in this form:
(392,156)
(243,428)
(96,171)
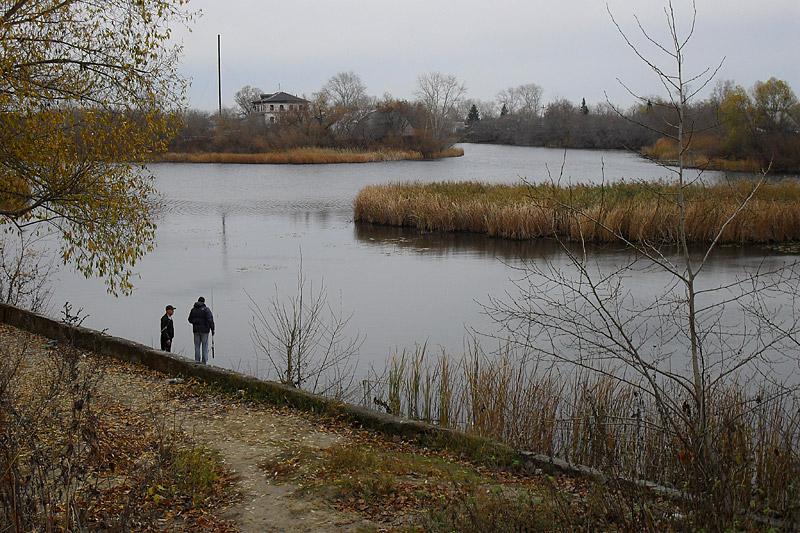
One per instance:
(253,388)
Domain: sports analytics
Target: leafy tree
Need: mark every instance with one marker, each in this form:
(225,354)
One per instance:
(83,89)
(734,113)
(504,111)
(473,116)
(774,103)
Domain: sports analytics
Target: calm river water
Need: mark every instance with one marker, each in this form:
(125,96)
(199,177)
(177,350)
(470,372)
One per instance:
(235,232)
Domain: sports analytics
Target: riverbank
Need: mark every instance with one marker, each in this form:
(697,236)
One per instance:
(702,162)
(152,452)
(305,156)
(595,213)
(665,154)
(665,151)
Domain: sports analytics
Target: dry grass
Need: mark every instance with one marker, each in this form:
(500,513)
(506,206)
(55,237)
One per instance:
(601,422)
(636,211)
(304,156)
(700,155)
(74,458)
(494,511)
(449,152)
(384,480)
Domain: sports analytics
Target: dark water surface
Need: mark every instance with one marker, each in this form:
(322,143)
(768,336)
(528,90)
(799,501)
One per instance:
(229,231)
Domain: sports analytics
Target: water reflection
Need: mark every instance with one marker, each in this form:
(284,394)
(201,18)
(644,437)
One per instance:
(443,245)
(312,217)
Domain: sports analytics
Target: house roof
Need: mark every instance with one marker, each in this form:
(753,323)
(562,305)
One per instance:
(280,98)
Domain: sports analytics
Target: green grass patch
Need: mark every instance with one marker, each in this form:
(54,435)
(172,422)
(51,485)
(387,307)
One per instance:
(197,471)
(491,510)
(367,479)
(189,477)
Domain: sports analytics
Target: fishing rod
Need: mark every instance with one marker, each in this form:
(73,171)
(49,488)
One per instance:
(212,333)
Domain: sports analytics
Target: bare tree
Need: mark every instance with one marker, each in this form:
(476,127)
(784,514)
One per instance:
(49,435)
(486,109)
(722,89)
(523,100)
(441,95)
(347,100)
(507,98)
(25,272)
(245,97)
(530,97)
(305,340)
(346,90)
(705,355)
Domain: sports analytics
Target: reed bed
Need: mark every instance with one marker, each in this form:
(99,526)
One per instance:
(595,420)
(666,150)
(638,211)
(453,151)
(305,156)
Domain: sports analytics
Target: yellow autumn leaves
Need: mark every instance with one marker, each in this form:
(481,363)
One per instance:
(86,90)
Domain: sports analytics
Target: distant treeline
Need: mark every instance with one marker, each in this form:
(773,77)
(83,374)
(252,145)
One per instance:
(733,128)
(563,124)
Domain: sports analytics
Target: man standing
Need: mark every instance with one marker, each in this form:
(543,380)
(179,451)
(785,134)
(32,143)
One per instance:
(167,329)
(202,322)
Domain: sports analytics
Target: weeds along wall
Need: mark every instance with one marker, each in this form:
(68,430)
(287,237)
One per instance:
(594,420)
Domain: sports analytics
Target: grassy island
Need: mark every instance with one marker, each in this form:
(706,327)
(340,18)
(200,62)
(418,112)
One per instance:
(306,156)
(636,211)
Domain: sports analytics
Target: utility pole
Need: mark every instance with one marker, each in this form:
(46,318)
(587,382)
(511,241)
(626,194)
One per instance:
(219,74)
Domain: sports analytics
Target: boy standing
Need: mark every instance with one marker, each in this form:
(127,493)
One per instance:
(167,329)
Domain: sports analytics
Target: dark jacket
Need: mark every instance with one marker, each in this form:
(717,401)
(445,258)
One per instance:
(167,328)
(201,319)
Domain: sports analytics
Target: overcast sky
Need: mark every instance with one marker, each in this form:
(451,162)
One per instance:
(569,47)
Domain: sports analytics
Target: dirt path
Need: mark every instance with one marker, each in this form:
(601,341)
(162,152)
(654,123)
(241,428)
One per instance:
(202,460)
(160,454)
(246,436)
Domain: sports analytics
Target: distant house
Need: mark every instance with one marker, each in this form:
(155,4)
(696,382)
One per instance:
(272,105)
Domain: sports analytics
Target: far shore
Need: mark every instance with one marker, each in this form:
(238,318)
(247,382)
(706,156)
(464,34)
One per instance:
(660,156)
(305,156)
(704,162)
(739,166)
(666,152)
